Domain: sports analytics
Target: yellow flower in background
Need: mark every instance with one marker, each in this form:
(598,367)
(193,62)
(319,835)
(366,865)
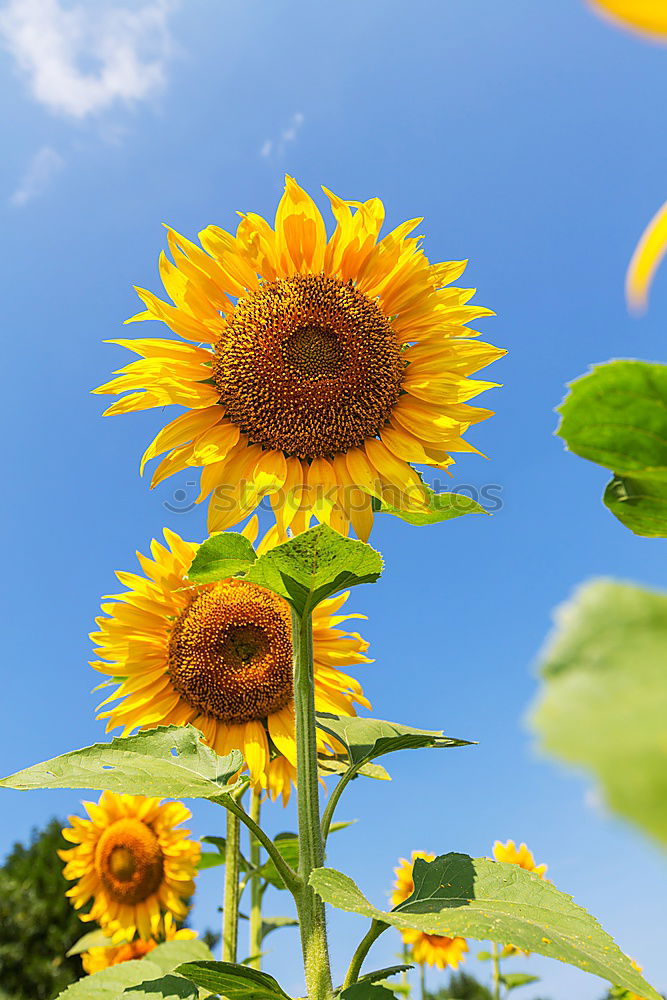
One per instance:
(133,863)
(219,656)
(315,370)
(649,17)
(520,856)
(96,959)
(427,949)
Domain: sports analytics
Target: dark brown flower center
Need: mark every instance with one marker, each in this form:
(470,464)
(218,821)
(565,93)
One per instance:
(230,652)
(129,861)
(308,366)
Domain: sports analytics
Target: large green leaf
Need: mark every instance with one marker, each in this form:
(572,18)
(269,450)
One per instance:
(234,982)
(221,556)
(366,739)
(441,507)
(616,416)
(488,900)
(165,988)
(603,702)
(167,761)
(314,565)
(171,954)
(110,984)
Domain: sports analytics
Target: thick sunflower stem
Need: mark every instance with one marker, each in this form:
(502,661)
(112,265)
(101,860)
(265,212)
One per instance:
(312,920)
(255,942)
(230,906)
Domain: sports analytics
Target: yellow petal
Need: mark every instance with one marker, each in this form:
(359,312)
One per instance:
(645,260)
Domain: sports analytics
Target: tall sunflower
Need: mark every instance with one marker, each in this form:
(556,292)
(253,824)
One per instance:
(96,959)
(314,370)
(219,656)
(133,863)
(427,949)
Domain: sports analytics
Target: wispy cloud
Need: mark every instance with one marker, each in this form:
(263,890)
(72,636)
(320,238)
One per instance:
(38,175)
(276,147)
(81,59)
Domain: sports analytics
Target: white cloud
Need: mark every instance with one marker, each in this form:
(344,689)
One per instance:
(38,175)
(288,134)
(82,58)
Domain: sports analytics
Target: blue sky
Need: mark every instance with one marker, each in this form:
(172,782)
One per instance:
(531,138)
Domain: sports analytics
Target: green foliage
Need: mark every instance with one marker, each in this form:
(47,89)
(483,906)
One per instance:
(93,939)
(461,986)
(366,739)
(441,507)
(314,565)
(234,982)
(166,988)
(603,702)
(365,990)
(512,980)
(166,761)
(616,416)
(486,900)
(110,984)
(221,556)
(170,954)
(378,974)
(37,921)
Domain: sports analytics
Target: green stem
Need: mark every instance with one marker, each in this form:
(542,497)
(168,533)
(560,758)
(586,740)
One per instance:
(422,981)
(255,887)
(287,873)
(496,971)
(374,931)
(230,910)
(334,798)
(312,920)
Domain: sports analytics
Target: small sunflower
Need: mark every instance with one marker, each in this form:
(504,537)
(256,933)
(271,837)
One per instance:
(96,959)
(133,863)
(648,17)
(427,949)
(316,371)
(520,856)
(219,656)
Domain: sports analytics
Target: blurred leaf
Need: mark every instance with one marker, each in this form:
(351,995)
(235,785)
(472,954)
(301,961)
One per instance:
(603,702)
(169,761)
(271,924)
(512,980)
(221,556)
(93,939)
(314,565)
(616,416)
(234,982)
(110,984)
(171,954)
(489,900)
(441,507)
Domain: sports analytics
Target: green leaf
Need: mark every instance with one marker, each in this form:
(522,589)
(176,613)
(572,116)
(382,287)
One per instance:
(110,984)
(171,954)
(93,939)
(234,982)
(314,565)
(210,860)
(332,765)
(164,988)
(366,739)
(616,416)
(391,970)
(169,761)
(441,507)
(484,956)
(512,980)
(288,846)
(603,701)
(366,991)
(271,924)
(489,900)
(221,556)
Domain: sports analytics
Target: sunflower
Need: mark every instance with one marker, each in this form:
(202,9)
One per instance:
(96,959)
(648,17)
(427,949)
(132,862)
(314,371)
(520,856)
(219,656)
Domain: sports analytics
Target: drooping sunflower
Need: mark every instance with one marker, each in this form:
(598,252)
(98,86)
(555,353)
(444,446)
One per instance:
(133,863)
(520,856)
(316,371)
(96,959)
(219,656)
(427,949)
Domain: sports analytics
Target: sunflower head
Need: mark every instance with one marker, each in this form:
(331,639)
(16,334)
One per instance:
(316,370)
(219,656)
(132,862)
(427,949)
(520,856)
